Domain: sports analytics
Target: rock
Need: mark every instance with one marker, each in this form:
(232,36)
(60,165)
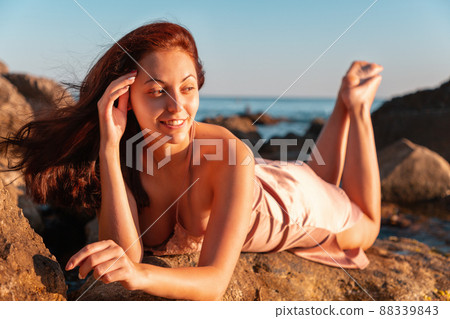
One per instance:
(240,126)
(14,109)
(20,199)
(263,119)
(28,271)
(41,93)
(14,112)
(411,173)
(3,68)
(294,151)
(315,127)
(272,150)
(400,269)
(22,96)
(421,117)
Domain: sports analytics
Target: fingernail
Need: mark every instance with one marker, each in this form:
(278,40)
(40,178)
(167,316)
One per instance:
(68,266)
(79,276)
(131,78)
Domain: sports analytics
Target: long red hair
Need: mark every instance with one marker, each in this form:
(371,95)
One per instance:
(58,151)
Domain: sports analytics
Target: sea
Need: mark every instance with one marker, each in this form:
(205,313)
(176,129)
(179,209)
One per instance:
(300,111)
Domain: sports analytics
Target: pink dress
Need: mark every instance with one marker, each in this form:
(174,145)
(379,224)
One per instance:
(293,210)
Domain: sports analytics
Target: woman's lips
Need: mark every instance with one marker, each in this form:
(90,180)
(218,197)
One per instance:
(174,123)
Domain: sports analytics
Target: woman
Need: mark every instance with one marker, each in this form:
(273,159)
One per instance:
(77,155)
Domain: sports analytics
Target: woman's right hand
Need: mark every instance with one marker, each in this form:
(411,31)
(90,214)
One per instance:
(113,119)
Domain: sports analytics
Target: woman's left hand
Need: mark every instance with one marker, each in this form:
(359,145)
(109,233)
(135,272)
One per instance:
(109,262)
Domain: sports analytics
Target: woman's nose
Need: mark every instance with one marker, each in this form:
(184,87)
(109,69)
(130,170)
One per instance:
(174,103)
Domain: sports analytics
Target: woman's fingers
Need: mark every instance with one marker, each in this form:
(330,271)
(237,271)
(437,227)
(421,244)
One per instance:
(121,82)
(110,255)
(115,89)
(102,269)
(86,251)
(128,277)
(123,101)
(112,275)
(117,94)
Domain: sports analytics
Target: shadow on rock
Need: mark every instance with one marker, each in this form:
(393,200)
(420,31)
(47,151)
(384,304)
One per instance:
(44,266)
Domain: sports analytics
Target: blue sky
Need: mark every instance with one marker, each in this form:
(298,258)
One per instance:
(249,48)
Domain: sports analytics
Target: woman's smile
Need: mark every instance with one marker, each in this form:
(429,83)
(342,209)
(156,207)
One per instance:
(174,124)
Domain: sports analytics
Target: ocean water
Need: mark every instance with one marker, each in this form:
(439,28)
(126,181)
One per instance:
(299,110)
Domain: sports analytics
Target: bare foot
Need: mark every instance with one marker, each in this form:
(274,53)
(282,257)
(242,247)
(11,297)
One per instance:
(359,86)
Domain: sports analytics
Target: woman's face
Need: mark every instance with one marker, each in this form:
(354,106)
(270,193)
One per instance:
(172,94)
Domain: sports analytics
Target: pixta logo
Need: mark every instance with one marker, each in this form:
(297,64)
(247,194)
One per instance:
(150,150)
(308,148)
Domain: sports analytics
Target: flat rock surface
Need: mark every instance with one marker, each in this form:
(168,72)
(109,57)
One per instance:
(400,269)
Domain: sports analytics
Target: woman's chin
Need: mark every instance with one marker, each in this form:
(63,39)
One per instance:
(177,133)
(175,137)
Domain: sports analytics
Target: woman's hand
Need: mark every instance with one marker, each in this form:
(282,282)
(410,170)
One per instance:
(109,262)
(112,119)
(359,86)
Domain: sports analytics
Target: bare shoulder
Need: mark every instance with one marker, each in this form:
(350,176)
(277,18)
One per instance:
(220,150)
(206,130)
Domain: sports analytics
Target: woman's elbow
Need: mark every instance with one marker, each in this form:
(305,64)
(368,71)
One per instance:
(216,295)
(217,289)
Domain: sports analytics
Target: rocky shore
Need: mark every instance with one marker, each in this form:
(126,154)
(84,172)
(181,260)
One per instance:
(413,151)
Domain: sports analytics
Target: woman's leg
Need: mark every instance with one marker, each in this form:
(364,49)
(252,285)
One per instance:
(332,145)
(361,182)
(361,177)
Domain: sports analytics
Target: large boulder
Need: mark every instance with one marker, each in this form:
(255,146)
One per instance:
(400,269)
(422,117)
(3,68)
(411,173)
(41,93)
(14,108)
(15,111)
(28,271)
(22,96)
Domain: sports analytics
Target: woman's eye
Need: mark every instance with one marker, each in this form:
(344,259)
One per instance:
(157,92)
(190,88)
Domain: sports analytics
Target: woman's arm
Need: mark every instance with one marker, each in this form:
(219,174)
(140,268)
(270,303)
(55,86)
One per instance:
(118,217)
(228,224)
(332,145)
(233,187)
